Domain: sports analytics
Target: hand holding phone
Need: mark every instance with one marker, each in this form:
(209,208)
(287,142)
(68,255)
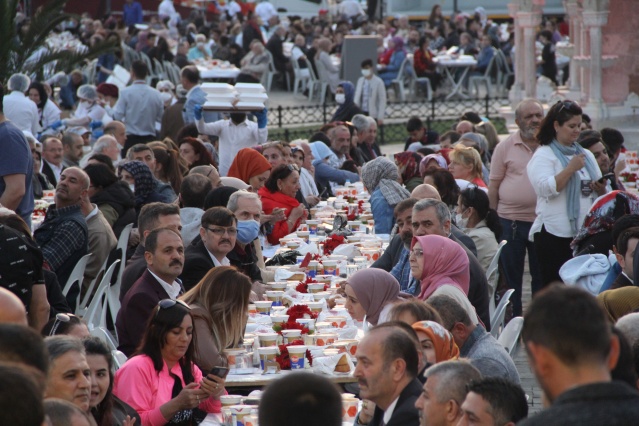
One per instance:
(606,176)
(220,372)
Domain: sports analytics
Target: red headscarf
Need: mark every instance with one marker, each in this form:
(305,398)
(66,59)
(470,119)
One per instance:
(248,163)
(445,262)
(445,346)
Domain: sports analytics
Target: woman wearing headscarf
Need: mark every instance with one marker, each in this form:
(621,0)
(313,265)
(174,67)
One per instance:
(251,167)
(344,96)
(140,179)
(390,72)
(442,267)
(370,295)
(408,165)
(436,161)
(437,344)
(380,177)
(325,174)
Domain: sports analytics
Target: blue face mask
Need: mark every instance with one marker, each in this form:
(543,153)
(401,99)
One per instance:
(247,230)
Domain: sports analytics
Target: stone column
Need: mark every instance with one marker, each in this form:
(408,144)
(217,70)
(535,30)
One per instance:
(594,20)
(529,20)
(572,8)
(516,90)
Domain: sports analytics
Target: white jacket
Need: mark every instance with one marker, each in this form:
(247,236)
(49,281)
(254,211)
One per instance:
(377,100)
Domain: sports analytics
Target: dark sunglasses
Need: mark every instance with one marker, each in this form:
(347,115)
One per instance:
(567,105)
(169,303)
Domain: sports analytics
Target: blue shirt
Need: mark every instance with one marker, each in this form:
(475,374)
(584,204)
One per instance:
(382,212)
(132,13)
(401,271)
(16,159)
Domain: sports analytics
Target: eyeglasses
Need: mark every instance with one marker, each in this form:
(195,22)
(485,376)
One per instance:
(417,253)
(221,231)
(59,319)
(169,303)
(568,105)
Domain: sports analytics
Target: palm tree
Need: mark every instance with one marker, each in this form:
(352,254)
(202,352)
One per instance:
(29,53)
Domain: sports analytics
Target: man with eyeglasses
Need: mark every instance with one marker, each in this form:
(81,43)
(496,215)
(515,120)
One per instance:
(218,235)
(164,255)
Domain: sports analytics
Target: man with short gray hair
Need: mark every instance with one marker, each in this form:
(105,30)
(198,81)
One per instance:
(444,392)
(19,109)
(108,146)
(72,145)
(247,208)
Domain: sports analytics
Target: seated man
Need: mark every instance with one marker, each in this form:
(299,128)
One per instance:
(419,136)
(474,342)
(493,401)
(218,232)
(164,257)
(152,216)
(444,391)
(63,236)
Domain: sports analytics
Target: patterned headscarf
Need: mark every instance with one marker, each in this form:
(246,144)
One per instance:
(374,289)
(144,180)
(445,346)
(408,165)
(445,263)
(383,172)
(441,162)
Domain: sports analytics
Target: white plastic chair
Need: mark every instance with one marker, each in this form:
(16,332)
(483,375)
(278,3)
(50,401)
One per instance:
(419,81)
(509,337)
(486,78)
(323,80)
(95,315)
(505,72)
(492,276)
(113,293)
(118,359)
(105,336)
(400,80)
(81,309)
(497,319)
(301,79)
(77,275)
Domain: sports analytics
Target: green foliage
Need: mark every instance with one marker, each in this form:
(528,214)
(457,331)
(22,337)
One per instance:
(30,55)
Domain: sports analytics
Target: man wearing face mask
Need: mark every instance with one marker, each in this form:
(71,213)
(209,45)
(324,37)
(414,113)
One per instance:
(344,98)
(200,50)
(88,113)
(233,134)
(370,93)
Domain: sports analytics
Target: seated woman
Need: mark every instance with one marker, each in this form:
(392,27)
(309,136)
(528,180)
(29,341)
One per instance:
(106,408)
(274,153)
(424,64)
(88,109)
(479,222)
(48,111)
(344,96)
(441,266)
(380,177)
(326,70)
(325,174)
(167,165)
(65,324)
(195,153)
(432,161)
(219,305)
(251,167)
(437,344)
(370,295)
(69,376)
(390,72)
(113,197)
(278,194)
(465,164)
(445,184)
(408,165)
(161,381)
(140,179)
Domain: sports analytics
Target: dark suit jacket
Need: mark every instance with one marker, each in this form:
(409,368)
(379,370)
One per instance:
(365,152)
(276,47)
(135,267)
(197,262)
(391,255)
(478,289)
(621,281)
(405,413)
(48,172)
(137,307)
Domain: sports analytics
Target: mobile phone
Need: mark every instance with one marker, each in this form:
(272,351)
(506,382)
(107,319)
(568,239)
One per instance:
(220,372)
(606,176)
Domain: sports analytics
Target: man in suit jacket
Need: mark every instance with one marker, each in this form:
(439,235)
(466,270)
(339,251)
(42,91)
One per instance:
(52,154)
(164,257)
(218,234)
(386,372)
(626,246)
(444,392)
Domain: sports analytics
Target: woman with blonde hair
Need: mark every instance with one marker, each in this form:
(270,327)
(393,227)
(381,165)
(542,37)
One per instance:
(219,305)
(465,163)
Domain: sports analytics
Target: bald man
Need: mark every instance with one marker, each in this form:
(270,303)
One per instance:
(63,236)
(464,127)
(12,311)
(425,190)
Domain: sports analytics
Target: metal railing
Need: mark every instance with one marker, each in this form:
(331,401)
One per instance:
(300,122)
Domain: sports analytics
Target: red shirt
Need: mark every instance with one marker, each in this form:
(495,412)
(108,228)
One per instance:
(422,62)
(272,200)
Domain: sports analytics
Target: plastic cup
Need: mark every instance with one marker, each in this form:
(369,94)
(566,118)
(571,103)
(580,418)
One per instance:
(297,355)
(337,321)
(263,307)
(275,297)
(315,306)
(330,267)
(267,354)
(268,339)
(315,288)
(279,319)
(291,335)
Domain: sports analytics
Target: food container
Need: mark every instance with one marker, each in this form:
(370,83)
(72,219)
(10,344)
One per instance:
(267,339)
(291,335)
(267,354)
(321,295)
(330,267)
(229,400)
(337,321)
(324,278)
(312,226)
(278,319)
(297,356)
(315,287)
(315,306)
(278,285)
(275,297)
(303,235)
(263,307)
(325,339)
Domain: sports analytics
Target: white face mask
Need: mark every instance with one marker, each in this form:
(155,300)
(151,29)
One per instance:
(200,44)
(166,96)
(460,221)
(86,104)
(366,72)
(132,186)
(340,98)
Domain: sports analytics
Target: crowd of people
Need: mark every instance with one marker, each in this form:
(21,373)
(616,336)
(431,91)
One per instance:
(205,196)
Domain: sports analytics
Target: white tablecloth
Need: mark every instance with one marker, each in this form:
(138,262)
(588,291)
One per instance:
(218,73)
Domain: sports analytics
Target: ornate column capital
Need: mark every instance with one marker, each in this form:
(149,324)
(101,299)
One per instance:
(572,8)
(596,5)
(528,19)
(595,19)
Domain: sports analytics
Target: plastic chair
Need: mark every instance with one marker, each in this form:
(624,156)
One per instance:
(105,336)
(486,78)
(113,293)
(492,276)
(81,309)
(497,319)
(159,69)
(323,78)
(509,337)
(300,80)
(313,82)
(95,315)
(505,72)
(77,275)
(421,82)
